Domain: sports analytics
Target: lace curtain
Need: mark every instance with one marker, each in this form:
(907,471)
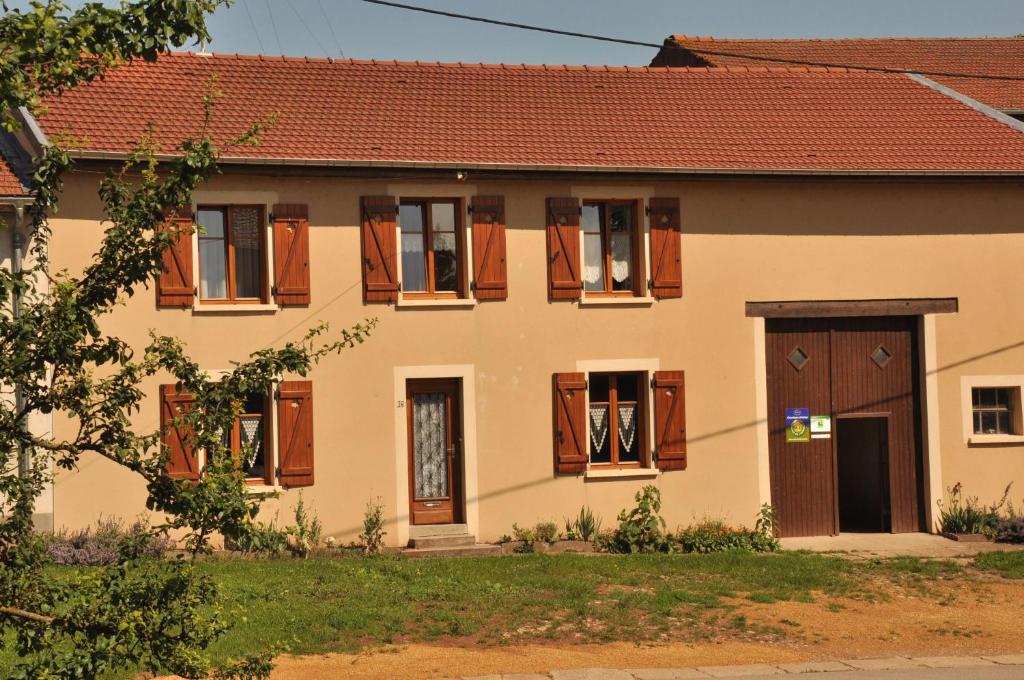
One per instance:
(251,431)
(430,443)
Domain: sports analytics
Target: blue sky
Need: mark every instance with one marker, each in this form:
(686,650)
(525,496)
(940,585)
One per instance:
(320,28)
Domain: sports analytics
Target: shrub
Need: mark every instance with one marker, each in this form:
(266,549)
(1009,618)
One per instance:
(715,535)
(373,532)
(525,536)
(108,543)
(546,532)
(585,527)
(967,515)
(642,529)
(261,538)
(307,531)
(1010,530)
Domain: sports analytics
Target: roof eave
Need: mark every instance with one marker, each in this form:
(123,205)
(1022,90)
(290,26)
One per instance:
(598,169)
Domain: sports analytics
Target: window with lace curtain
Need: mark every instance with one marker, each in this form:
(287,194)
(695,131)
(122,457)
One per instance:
(232,254)
(616,419)
(611,248)
(248,439)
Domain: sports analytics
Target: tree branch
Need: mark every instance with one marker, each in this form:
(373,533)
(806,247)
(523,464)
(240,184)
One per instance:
(25,614)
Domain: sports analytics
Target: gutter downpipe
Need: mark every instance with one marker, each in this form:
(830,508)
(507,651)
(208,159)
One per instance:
(17,245)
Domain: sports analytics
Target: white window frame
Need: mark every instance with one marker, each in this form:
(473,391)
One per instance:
(967,385)
(647,368)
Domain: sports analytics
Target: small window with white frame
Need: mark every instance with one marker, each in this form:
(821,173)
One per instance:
(994,410)
(991,409)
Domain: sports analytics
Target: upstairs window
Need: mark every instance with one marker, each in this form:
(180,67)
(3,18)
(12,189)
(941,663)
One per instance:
(617,419)
(994,409)
(232,254)
(611,248)
(432,248)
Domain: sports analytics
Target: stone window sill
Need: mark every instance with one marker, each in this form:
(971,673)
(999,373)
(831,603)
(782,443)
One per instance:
(621,473)
(436,303)
(982,439)
(616,301)
(234,309)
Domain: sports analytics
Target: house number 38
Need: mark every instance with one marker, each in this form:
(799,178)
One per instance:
(400,403)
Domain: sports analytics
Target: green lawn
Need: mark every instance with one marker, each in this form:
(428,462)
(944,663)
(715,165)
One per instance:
(1006,564)
(346,604)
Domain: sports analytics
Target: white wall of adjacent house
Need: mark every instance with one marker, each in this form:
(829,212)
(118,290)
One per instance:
(38,423)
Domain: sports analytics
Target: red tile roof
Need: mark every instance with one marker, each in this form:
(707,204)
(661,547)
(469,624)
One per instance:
(10,185)
(602,117)
(990,56)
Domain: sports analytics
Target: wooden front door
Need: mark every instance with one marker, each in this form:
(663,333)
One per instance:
(843,368)
(435,451)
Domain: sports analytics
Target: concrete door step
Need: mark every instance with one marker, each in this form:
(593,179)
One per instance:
(438,530)
(476,550)
(452,541)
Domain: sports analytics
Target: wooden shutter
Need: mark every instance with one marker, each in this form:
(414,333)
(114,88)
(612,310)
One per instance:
(666,257)
(490,275)
(183,462)
(564,282)
(570,392)
(380,252)
(174,286)
(291,254)
(670,420)
(295,432)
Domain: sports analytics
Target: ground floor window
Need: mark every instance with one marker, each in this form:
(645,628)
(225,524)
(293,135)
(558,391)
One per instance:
(993,409)
(617,416)
(248,439)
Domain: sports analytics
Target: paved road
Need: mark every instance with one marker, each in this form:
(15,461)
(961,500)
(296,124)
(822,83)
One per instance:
(973,673)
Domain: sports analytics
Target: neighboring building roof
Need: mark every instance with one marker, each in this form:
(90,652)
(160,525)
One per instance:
(539,117)
(13,181)
(988,56)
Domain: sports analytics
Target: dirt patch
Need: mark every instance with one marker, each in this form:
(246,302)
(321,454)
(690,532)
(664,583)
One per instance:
(949,618)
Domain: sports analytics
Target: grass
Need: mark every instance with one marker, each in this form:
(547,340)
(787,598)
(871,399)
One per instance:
(1006,564)
(345,604)
(348,604)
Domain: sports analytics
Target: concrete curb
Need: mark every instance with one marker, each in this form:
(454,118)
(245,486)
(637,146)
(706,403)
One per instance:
(803,668)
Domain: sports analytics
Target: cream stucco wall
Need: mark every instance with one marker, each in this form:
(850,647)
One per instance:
(784,239)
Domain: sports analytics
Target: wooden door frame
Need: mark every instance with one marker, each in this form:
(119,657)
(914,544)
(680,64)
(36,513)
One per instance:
(456,467)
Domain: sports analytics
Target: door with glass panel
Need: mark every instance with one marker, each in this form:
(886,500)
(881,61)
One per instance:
(435,451)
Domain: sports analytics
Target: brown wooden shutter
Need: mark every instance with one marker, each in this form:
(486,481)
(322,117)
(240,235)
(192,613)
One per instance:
(183,462)
(666,256)
(295,432)
(564,282)
(380,252)
(570,392)
(291,254)
(490,275)
(174,286)
(670,420)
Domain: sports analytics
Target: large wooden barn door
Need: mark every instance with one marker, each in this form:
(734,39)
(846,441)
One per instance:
(802,474)
(874,372)
(848,367)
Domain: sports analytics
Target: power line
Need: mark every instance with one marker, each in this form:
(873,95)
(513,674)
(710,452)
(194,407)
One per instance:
(253,24)
(273,25)
(308,30)
(698,50)
(330,26)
